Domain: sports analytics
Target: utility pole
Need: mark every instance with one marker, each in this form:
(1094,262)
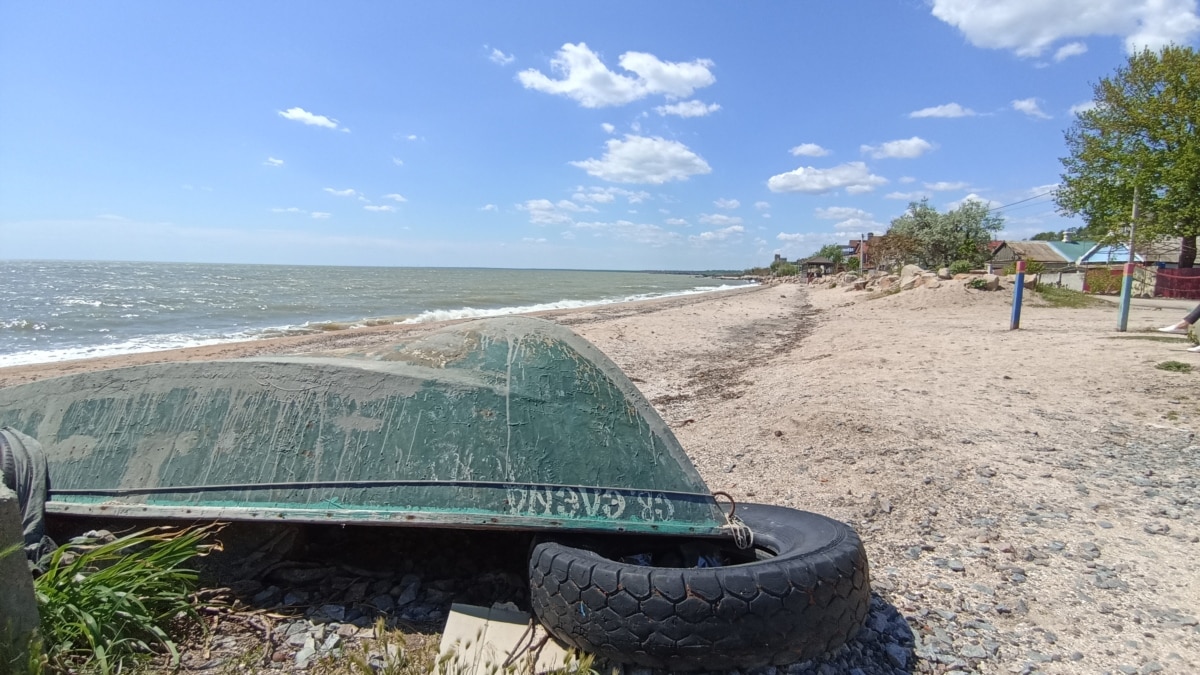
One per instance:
(862,253)
(1127,282)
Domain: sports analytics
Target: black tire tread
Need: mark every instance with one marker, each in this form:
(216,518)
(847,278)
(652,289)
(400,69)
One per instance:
(769,612)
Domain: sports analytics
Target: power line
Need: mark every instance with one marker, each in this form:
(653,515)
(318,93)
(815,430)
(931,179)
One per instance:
(1029,199)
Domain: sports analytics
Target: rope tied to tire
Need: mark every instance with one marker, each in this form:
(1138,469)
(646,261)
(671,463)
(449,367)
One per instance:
(743,536)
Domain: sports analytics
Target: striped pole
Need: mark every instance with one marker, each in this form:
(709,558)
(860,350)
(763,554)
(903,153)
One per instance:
(1126,295)
(1018,293)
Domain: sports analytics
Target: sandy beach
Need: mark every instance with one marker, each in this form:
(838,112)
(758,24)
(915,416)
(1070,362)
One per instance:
(1028,499)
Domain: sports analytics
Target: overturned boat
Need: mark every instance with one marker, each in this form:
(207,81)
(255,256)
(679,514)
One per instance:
(510,423)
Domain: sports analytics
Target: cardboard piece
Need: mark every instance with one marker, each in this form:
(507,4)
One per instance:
(482,638)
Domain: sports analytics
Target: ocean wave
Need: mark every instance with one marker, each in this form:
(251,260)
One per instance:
(154,343)
(475,313)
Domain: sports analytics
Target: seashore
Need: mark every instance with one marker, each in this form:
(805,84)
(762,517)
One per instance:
(1028,499)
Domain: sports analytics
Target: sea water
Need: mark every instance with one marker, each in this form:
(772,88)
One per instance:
(58,310)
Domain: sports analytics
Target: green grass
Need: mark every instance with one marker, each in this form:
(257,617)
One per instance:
(1065,297)
(1175,366)
(109,607)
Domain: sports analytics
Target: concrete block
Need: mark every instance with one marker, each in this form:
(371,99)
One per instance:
(18,606)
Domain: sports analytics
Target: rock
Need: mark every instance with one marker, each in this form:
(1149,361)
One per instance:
(306,653)
(1156,528)
(910,277)
(1031,281)
(944,274)
(991,282)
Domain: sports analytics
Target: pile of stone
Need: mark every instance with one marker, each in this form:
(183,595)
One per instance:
(913,276)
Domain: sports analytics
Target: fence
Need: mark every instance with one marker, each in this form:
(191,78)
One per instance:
(1178,283)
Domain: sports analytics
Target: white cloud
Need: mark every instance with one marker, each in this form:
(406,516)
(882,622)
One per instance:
(271,161)
(945,186)
(946,110)
(691,108)
(813,239)
(395,197)
(1068,50)
(1030,107)
(841,213)
(304,117)
(412,137)
(718,235)
(991,203)
(546,212)
(906,196)
(638,233)
(1029,27)
(906,179)
(607,195)
(854,177)
(1083,107)
(858,225)
(719,219)
(728,204)
(808,150)
(766,215)
(762,206)
(641,159)
(290,209)
(348,192)
(907,148)
(534,240)
(676,222)
(488,207)
(320,215)
(608,128)
(397,161)
(588,81)
(383,208)
(500,57)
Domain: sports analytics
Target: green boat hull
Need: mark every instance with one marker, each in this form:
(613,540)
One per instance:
(510,423)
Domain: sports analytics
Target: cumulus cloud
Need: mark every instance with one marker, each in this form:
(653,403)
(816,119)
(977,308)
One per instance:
(546,212)
(691,108)
(1068,50)
(854,177)
(489,207)
(676,222)
(907,148)
(1030,107)
(396,197)
(304,117)
(1083,107)
(944,186)
(728,204)
(841,213)
(733,231)
(945,110)
(808,150)
(607,195)
(608,128)
(762,206)
(1030,27)
(290,209)
(348,192)
(383,208)
(641,159)
(907,196)
(499,57)
(719,219)
(858,225)
(320,215)
(271,161)
(638,233)
(585,79)
(397,161)
(990,203)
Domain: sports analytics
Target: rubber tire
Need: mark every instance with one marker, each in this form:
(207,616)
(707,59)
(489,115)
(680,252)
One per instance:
(809,598)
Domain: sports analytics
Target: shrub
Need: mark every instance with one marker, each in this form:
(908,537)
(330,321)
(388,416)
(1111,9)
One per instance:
(978,283)
(1175,366)
(960,267)
(103,607)
(1031,267)
(1103,282)
(786,270)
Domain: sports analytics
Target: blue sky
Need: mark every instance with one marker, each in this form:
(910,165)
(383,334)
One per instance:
(664,135)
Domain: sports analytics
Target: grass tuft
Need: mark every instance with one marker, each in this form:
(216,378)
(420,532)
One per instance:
(105,607)
(1065,297)
(1175,366)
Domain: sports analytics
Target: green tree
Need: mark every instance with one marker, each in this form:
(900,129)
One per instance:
(833,252)
(1046,236)
(852,264)
(961,234)
(1141,134)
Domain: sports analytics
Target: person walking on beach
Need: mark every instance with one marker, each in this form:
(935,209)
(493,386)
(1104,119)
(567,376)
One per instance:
(1182,327)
